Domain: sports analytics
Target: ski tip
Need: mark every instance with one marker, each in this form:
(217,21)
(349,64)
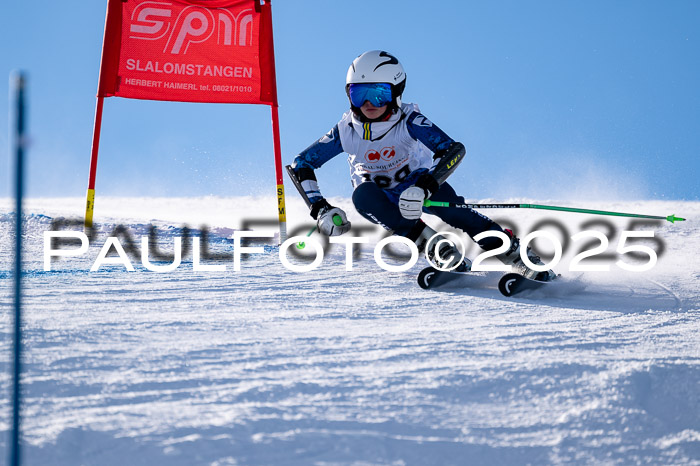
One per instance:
(507,285)
(425,277)
(513,283)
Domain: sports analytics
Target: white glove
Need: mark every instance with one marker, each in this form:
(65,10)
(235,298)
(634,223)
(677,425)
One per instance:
(411,202)
(332,221)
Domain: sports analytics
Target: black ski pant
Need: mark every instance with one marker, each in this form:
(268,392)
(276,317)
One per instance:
(380,206)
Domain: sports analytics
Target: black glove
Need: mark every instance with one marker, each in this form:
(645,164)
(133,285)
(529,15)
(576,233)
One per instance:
(428,183)
(317,206)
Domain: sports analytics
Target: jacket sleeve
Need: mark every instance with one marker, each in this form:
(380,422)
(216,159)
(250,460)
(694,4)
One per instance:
(447,153)
(427,132)
(314,157)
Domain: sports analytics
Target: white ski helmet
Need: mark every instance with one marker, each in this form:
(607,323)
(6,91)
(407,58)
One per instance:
(377,66)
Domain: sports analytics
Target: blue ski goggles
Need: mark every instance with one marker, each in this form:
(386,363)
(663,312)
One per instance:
(378,94)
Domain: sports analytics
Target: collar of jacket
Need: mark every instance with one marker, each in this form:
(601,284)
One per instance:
(376,130)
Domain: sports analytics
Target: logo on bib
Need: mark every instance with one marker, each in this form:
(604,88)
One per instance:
(372,156)
(387,154)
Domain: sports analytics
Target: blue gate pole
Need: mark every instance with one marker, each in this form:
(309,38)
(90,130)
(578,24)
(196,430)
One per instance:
(18,84)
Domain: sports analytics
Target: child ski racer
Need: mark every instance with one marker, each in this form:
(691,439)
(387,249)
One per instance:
(398,158)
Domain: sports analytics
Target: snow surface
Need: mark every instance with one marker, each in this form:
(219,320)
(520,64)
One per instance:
(270,366)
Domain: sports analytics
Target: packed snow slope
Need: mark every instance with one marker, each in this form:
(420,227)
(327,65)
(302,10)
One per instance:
(332,366)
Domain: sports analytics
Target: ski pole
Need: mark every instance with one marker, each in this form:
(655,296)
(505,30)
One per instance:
(429,203)
(19,135)
(337,220)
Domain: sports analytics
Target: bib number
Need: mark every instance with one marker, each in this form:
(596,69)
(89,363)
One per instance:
(384,181)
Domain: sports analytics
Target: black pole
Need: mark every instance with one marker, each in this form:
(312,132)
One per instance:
(19,82)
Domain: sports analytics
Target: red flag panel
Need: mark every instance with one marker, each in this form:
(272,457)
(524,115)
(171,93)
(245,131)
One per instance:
(189,51)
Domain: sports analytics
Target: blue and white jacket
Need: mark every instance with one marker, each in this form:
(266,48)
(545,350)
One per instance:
(384,152)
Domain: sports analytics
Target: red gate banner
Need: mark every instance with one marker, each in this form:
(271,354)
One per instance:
(214,51)
(189,51)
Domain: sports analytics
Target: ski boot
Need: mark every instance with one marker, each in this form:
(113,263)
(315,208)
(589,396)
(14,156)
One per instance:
(442,253)
(512,257)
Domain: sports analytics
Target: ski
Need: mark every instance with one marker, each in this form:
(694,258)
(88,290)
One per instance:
(511,284)
(430,277)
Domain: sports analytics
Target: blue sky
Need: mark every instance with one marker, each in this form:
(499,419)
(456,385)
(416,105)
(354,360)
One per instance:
(553,99)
